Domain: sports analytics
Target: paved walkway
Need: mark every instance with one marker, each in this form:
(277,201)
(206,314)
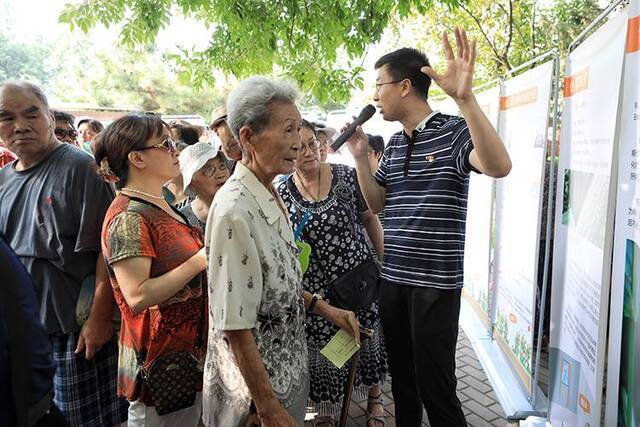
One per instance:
(479,402)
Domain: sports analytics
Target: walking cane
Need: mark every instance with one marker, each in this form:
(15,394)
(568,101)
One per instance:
(348,387)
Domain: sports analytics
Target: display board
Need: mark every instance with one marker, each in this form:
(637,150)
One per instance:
(583,226)
(477,249)
(623,375)
(524,117)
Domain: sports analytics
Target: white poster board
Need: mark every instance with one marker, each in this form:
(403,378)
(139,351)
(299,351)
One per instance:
(623,373)
(583,226)
(524,116)
(477,248)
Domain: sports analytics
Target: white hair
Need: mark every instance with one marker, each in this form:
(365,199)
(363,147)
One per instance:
(25,85)
(248,103)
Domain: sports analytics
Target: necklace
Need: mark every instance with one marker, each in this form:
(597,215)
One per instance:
(131,190)
(317,198)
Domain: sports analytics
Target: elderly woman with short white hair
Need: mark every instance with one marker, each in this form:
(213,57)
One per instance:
(257,353)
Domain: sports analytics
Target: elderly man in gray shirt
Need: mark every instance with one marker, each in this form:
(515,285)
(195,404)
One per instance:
(52,204)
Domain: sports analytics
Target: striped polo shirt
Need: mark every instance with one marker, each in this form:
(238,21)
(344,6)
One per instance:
(426,203)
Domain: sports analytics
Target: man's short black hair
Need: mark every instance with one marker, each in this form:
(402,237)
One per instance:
(63,116)
(405,63)
(376,143)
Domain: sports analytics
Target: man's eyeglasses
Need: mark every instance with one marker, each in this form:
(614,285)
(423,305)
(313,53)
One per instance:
(168,144)
(63,133)
(311,145)
(378,85)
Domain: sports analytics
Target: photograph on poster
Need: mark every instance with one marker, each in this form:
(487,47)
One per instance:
(584,204)
(564,390)
(629,395)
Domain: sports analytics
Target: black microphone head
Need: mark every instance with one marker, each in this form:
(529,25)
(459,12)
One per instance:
(367,112)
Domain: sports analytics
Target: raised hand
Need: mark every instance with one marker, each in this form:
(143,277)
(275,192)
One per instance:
(457,80)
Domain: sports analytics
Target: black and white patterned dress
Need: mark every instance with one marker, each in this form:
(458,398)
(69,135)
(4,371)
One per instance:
(336,235)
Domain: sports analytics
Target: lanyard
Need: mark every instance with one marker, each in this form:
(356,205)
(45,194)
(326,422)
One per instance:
(300,227)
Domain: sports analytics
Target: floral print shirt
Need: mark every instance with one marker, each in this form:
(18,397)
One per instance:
(255,284)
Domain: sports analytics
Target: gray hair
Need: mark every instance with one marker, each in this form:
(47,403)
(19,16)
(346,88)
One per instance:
(23,84)
(248,104)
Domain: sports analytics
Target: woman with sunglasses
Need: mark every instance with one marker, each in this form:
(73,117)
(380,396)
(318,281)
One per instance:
(325,203)
(64,129)
(156,266)
(204,171)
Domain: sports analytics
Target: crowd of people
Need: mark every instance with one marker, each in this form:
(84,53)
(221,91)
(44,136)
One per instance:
(214,264)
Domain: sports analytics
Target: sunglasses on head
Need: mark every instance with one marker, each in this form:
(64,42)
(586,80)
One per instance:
(63,133)
(167,144)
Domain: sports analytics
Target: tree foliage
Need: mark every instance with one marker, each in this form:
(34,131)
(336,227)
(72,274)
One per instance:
(72,70)
(24,61)
(140,78)
(300,39)
(509,33)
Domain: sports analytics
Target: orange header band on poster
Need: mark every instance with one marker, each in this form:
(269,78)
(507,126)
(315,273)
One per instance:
(527,96)
(576,83)
(633,35)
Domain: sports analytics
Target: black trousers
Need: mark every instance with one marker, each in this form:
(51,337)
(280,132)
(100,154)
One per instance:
(421,330)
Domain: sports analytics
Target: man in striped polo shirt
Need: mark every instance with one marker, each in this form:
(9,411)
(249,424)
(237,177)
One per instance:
(422,187)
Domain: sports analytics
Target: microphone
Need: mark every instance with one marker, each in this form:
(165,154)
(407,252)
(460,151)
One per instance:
(366,113)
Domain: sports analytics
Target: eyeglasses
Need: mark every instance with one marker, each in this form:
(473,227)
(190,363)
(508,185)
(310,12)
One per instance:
(311,145)
(386,83)
(63,133)
(209,169)
(168,144)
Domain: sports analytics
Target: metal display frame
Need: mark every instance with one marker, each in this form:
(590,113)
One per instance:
(517,402)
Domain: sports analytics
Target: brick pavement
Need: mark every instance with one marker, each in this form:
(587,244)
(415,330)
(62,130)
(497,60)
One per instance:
(479,402)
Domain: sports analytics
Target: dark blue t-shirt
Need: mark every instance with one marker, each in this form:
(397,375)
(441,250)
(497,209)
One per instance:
(51,214)
(35,343)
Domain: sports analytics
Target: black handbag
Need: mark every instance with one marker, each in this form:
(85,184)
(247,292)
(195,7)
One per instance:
(172,377)
(172,380)
(357,288)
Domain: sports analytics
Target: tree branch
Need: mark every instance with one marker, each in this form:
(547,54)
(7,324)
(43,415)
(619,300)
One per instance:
(533,31)
(510,38)
(482,31)
(293,23)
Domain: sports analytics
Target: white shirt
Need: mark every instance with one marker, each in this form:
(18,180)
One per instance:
(255,282)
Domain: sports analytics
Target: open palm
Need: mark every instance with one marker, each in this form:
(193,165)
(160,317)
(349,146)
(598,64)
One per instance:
(457,80)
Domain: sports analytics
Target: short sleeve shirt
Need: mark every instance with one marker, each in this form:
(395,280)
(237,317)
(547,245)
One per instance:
(426,203)
(6,156)
(51,215)
(136,228)
(255,283)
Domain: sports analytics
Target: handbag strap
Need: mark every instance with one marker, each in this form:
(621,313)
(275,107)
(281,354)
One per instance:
(203,313)
(142,354)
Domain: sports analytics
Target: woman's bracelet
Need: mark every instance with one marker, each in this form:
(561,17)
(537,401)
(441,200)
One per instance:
(313,302)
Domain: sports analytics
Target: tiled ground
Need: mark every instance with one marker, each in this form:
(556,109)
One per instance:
(474,390)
